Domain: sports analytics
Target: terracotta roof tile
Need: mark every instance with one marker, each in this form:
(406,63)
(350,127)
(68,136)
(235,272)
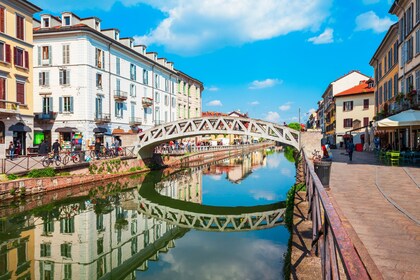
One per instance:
(362,88)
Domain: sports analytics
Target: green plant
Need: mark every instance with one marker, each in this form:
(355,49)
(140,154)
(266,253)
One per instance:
(13,191)
(38,173)
(12,177)
(22,191)
(399,97)
(132,169)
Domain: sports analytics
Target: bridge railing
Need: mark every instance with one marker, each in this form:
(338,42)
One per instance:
(329,238)
(167,150)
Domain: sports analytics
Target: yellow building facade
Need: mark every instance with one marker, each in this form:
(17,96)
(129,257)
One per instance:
(16,75)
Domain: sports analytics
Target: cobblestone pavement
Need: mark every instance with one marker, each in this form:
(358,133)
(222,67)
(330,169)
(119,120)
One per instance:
(382,204)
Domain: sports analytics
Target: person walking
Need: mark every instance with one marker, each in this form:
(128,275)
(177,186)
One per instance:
(43,149)
(56,147)
(116,146)
(11,150)
(350,149)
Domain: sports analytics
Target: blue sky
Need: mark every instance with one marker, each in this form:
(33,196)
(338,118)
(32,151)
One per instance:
(268,57)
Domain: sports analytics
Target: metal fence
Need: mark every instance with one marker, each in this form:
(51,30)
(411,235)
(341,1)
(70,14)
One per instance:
(329,238)
(168,150)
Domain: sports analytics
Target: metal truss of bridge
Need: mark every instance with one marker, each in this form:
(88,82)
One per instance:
(213,222)
(215,125)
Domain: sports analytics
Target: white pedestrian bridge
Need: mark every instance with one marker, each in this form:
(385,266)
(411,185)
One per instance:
(164,133)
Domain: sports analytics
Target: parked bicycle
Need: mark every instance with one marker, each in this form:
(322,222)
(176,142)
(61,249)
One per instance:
(50,159)
(71,156)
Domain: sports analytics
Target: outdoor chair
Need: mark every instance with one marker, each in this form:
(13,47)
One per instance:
(395,158)
(382,155)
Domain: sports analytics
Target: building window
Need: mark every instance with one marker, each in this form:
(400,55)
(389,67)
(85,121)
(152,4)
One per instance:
(99,80)
(173,102)
(66,54)
(20,27)
(66,250)
(45,22)
(166,85)
(380,95)
(410,49)
(396,52)
(166,100)
(418,81)
(395,84)
(389,59)
(67,20)
(366,121)
(390,89)
(417,41)
(100,246)
(44,78)
(67,225)
(117,35)
(45,55)
(133,72)
(20,92)
(157,116)
(347,106)
(119,109)
(45,249)
(118,66)
(99,58)
(66,104)
(385,91)
(5,52)
(145,77)
(409,84)
(380,70)
(2,19)
(47,105)
(157,97)
(64,77)
(156,81)
(67,272)
(348,123)
(365,104)
(132,90)
(21,58)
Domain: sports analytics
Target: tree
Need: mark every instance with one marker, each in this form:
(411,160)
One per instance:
(294,125)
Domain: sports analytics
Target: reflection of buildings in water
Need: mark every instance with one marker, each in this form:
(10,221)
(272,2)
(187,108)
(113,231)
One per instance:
(17,251)
(186,185)
(238,168)
(90,240)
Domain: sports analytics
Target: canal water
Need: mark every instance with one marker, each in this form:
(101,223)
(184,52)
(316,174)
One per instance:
(157,226)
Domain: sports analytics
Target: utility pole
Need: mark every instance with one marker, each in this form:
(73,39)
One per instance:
(299,115)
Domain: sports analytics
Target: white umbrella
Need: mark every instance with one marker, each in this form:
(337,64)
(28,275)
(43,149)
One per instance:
(366,145)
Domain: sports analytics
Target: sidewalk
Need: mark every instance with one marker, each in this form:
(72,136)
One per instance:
(382,205)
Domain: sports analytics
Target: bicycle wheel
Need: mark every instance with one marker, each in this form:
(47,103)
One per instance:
(75,158)
(66,159)
(45,162)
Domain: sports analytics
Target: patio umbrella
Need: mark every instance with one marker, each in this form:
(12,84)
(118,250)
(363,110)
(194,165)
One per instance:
(372,139)
(366,145)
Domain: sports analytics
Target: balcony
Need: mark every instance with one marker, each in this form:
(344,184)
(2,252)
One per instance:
(399,103)
(102,117)
(47,117)
(9,107)
(147,102)
(120,95)
(134,121)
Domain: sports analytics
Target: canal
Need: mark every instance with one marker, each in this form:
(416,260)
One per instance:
(217,221)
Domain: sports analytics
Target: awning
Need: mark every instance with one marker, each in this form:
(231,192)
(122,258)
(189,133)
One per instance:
(66,129)
(406,118)
(20,128)
(100,130)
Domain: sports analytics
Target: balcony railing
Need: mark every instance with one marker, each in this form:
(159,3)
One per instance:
(49,116)
(147,101)
(9,107)
(102,117)
(120,95)
(406,102)
(135,121)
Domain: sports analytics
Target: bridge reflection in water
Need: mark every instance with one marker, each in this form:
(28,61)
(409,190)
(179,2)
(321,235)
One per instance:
(113,233)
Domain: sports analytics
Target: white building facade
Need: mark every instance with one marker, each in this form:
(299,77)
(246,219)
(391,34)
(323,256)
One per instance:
(91,83)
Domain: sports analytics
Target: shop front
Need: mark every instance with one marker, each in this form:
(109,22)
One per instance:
(67,136)
(19,137)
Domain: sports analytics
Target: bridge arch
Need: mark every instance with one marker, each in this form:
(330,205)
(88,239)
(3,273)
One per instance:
(151,138)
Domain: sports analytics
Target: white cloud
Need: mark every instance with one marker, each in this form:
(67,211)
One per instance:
(213,88)
(264,83)
(285,107)
(370,20)
(272,117)
(196,26)
(263,195)
(215,177)
(325,37)
(273,162)
(312,110)
(254,103)
(215,103)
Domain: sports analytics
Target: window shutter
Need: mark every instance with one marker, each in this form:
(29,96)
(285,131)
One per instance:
(60,104)
(47,78)
(68,77)
(8,54)
(15,54)
(26,59)
(50,104)
(96,57)
(40,78)
(103,60)
(50,54)
(61,77)
(71,104)
(39,56)
(116,109)
(1,19)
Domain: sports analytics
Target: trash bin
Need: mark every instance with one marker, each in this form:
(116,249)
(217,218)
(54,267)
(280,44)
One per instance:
(323,171)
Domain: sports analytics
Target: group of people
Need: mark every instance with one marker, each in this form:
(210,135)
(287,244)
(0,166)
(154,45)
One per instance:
(14,149)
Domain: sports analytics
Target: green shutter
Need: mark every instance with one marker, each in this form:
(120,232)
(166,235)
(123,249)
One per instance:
(50,53)
(60,104)
(51,106)
(71,104)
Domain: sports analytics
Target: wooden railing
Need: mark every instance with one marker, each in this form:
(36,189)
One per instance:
(329,238)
